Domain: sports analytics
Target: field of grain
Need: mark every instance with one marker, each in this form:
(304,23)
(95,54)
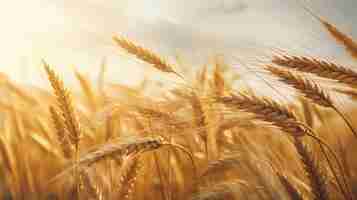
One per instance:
(202,138)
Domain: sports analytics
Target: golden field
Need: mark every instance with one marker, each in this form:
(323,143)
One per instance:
(202,138)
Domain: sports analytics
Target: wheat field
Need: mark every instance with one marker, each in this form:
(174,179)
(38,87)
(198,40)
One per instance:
(201,139)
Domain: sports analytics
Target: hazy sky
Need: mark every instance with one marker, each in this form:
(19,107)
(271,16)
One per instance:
(78,33)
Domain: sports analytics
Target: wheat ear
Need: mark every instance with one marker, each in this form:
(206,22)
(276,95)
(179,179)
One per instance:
(113,149)
(61,132)
(318,67)
(307,87)
(145,55)
(315,175)
(119,148)
(342,38)
(266,110)
(64,101)
(65,104)
(316,94)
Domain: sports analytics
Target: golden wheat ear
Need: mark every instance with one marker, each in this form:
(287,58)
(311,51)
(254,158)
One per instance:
(65,104)
(349,44)
(266,110)
(61,133)
(64,101)
(314,173)
(318,67)
(111,150)
(305,86)
(310,89)
(145,55)
(342,38)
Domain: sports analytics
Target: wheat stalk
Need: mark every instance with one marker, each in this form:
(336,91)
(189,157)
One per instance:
(314,92)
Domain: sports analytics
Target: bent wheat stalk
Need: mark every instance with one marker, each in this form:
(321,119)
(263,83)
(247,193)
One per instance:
(270,111)
(317,95)
(309,132)
(310,90)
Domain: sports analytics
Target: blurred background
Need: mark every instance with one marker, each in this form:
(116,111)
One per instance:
(77,34)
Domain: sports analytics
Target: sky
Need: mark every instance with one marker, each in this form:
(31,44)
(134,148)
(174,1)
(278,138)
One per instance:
(77,34)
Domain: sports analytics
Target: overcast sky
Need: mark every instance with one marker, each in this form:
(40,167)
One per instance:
(78,33)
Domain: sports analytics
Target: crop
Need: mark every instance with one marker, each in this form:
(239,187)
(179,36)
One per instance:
(203,139)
